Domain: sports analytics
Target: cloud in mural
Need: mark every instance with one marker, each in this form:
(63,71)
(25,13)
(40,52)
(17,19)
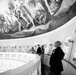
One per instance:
(20,18)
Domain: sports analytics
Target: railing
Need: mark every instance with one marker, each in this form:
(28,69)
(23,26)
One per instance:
(70,64)
(31,64)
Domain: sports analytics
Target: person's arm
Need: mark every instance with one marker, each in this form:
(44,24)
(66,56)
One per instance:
(52,57)
(61,55)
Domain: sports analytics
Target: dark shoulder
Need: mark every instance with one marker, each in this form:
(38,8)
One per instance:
(58,49)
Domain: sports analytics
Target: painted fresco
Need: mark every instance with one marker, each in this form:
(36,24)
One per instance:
(26,18)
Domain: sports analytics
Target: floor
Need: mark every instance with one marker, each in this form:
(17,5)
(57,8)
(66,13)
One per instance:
(45,70)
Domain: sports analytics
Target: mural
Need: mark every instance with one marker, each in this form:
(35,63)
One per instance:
(26,18)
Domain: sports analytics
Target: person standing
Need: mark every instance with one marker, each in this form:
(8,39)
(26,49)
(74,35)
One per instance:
(56,66)
(39,50)
(43,49)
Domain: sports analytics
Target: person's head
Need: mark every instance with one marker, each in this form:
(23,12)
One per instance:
(57,44)
(38,45)
(42,46)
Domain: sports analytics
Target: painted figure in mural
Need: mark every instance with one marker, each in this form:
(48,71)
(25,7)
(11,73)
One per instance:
(26,13)
(54,5)
(23,22)
(56,66)
(40,17)
(2,20)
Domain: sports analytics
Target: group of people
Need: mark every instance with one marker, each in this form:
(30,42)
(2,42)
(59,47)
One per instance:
(56,66)
(40,50)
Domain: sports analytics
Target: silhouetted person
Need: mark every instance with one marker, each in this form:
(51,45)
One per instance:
(39,50)
(56,66)
(42,48)
(32,50)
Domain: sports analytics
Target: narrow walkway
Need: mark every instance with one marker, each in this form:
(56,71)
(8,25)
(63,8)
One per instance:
(45,69)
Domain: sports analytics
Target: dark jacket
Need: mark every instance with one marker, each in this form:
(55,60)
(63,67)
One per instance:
(39,51)
(56,60)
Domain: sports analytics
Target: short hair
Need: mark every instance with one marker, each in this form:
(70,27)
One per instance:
(58,43)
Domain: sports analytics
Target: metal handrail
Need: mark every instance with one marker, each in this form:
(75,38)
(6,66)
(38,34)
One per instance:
(70,63)
(65,61)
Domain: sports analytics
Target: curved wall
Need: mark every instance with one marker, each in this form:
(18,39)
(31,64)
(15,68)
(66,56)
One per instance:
(20,18)
(58,34)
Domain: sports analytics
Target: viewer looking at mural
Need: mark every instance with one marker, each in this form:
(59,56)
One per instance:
(56,66)
(43,49)
(39,50)
(32,50)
